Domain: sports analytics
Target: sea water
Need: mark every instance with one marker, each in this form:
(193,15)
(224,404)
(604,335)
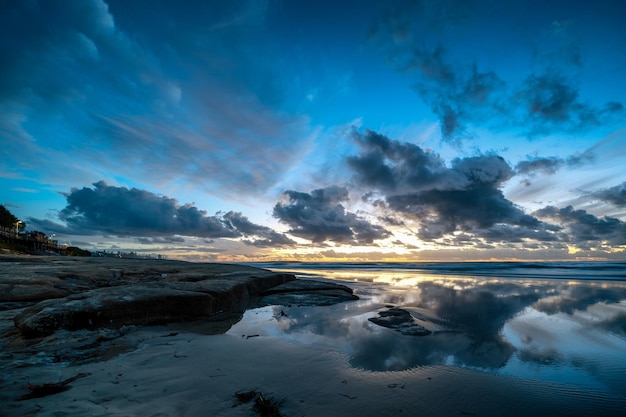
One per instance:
(560,322)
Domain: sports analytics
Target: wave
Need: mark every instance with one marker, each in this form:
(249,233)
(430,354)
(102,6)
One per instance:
(590,270)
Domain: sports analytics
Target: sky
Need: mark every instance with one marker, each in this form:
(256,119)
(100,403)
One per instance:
(269,130)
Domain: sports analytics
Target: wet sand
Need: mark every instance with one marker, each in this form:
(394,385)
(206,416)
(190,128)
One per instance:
(189,374)
(188,370)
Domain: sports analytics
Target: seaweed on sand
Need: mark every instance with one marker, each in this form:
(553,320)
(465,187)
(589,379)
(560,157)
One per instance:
(263,406)
(43,390)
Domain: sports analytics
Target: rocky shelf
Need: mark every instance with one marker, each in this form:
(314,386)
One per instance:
(54,293)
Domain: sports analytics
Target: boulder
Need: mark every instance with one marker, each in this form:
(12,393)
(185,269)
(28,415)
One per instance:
(401,321)
(305,292)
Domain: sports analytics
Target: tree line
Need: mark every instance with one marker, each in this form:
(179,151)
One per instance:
(12,239)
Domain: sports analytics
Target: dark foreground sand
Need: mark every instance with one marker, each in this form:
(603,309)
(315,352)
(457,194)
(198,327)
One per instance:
(175,370)
(189,374)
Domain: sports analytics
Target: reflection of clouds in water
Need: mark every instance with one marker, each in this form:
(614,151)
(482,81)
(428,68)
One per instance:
(579,297)
(616,324)
(566,348)
(475,314)
(388,351)
(534,328)
(479,313)
(548,357)
(559,330)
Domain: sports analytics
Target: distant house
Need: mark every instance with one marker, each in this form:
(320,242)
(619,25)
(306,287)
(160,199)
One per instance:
(37,236)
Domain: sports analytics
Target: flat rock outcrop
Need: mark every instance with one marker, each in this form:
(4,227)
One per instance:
(92,293)
(307,293)
(114,307)
(400,320)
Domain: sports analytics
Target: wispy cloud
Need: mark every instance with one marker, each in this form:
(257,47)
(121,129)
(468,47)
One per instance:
(614,195)
(181,101)
(550,102)
(465,94)
(549,165)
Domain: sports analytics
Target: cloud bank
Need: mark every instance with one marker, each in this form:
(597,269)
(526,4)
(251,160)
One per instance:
(320,217)
(584,228)
(106,209)
(416,184)
(402,189)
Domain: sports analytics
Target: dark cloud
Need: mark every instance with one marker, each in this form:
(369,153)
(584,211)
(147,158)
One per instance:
(160,240)
(123,211)
(320,216)
(106,209)
(416,184)
(392,221)
(550,165)
(265,236)
(505,233)
(389,165)
(456,94)
(461,100)
(579,226)
(461,94)
(614,195)
(551,102)
(48,226)
(543,165)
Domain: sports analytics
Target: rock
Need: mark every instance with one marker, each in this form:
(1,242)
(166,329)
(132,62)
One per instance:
(30,292)
(93,293)
(307,293)
(400,320)
(114,307)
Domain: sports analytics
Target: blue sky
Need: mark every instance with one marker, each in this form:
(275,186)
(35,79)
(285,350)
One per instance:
(313,130)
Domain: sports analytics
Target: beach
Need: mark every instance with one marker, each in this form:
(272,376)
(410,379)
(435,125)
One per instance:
(305,361)
(193,375)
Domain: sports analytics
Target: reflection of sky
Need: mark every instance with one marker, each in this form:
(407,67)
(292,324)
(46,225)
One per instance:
(563,347)
(569,332)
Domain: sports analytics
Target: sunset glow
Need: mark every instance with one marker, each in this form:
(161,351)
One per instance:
(318,131)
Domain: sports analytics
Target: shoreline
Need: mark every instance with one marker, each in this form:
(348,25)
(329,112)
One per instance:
(196,368)
(195,375)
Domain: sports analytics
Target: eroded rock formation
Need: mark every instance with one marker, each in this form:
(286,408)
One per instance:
(72,294)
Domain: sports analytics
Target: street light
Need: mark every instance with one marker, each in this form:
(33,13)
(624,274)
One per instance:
(17,226)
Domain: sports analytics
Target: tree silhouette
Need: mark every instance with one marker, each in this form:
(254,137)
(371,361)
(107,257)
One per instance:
(7,219)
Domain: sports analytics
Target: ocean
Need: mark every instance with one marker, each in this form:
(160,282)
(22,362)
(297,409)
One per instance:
(561,323)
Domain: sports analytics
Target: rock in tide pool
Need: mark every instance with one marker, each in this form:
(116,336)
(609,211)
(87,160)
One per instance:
(400,320)
(304,292)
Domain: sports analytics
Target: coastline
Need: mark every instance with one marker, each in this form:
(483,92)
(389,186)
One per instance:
(194,375)
(73,311)
(192,368)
